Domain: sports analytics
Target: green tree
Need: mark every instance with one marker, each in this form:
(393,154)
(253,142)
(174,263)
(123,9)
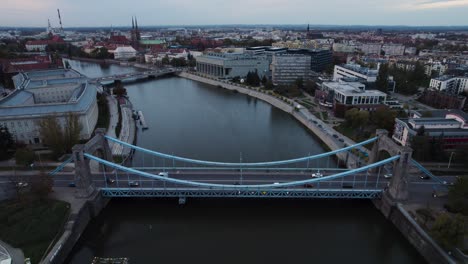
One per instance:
(356,118)
(382,78)
(299,82)
(119,90)
(165,60)
(24,157)
(310,87)
(449,231)
(52,135)
(458,196)
(6,142)
(384,118)
(42,186)
(264,80)
(269,85)
(71,131)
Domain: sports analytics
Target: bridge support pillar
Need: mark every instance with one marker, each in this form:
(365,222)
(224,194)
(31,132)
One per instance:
(398,188)
(84,183)
(103,143)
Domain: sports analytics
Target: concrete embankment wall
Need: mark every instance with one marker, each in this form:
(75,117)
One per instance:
(411,230)
(326,139)
(73,229)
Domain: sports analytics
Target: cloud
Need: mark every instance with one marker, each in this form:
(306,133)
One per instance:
(435,4)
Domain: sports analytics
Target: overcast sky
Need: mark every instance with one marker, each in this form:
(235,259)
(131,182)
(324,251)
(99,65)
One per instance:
(19,13)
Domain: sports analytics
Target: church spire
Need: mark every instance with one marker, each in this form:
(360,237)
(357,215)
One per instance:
(136,23)
(133,24)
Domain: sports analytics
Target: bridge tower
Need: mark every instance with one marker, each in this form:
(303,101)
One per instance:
(99,144)
(398,188)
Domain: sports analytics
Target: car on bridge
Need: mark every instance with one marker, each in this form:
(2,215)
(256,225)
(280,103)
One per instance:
(164,174)
(72,184)
(22,184)
(388,176)
(110,180)
(317,175)
(133,184)
(309,185)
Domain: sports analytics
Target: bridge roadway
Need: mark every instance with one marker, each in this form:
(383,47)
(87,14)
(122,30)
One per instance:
(137,75)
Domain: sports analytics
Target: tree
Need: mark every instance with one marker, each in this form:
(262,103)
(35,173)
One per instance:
(356,118)
(119,90)
(253,79)
(269,85)
(310,87)
(52,135)
(6,142)
(60,139)
(42,186)
(384,118)
(449,231)
(24,157)
(71,131)
(458,196)
(264,80)
(165,60)
(299,82)
(382,78)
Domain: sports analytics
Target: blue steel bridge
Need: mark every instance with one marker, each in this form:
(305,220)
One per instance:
(174,176)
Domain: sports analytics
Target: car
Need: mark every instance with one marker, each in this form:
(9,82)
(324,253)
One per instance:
(308,185)
(335,135)
(110,180)
(315,122)
(71,184)
(164,174)
(341,140)
(275,183)
(133,184)
(236,183)
(317,175)
(347,186)
(388,176)
(424,177)
(22,184)
(319,125)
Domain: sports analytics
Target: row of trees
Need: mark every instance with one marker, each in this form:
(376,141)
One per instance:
(407,81)
(59,136)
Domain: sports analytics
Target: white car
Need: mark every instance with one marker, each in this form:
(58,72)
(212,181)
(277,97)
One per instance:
(317,175)
(22,184)
(164,174)
(388,176)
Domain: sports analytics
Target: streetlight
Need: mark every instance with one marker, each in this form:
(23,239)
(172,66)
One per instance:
(450,160)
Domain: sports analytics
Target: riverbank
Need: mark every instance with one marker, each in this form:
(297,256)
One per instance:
(320,129)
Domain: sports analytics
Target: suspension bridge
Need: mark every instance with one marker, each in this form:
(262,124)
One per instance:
(312,176)
(133,76)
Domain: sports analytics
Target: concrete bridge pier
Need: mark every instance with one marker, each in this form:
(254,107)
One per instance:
(98,144)
(398,187)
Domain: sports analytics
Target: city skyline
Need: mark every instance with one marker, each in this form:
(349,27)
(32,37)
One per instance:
(209,12)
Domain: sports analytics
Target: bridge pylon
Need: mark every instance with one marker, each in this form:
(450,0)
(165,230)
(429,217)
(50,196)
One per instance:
(83,176)
(398,186)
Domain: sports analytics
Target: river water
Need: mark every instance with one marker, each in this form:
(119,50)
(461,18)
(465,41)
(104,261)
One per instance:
(199,121)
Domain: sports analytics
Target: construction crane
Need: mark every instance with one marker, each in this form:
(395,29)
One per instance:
(60,20)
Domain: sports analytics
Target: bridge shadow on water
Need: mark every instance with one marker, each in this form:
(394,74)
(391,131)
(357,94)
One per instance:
(243,231)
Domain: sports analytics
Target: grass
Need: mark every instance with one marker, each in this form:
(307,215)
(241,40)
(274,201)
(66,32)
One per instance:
(32,224)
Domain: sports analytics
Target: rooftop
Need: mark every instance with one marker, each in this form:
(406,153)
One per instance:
(358,68)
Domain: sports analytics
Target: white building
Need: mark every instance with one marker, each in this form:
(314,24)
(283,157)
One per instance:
(393,49)
(453,85)
(42,94)
(124,53)
(230,65)
(355,94)
(36,45)
(371,48)
(354,71)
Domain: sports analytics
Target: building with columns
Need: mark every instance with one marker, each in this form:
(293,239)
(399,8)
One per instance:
(48,93)
(230,65)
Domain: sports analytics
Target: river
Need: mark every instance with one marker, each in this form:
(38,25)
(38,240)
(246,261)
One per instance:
(199,121)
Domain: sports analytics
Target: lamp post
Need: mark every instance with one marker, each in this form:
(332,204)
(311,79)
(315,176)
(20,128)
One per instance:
(450,159)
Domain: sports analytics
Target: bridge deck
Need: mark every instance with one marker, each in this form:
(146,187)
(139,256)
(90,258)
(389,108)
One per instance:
(239,193)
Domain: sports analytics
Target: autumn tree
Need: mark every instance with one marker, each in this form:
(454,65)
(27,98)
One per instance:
(6,142)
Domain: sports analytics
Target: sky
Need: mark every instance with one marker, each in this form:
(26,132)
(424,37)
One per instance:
(88,13)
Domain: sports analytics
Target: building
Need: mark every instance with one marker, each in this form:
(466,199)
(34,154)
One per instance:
(230,65)
(124,53)
(135,36)
(49,93)
(435,67)
(393,49)
(354,71)
(371,48)
(319,58)
(37,45)
(451,126)
(449,84)
(347,95)
(11,67)
(287,68)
